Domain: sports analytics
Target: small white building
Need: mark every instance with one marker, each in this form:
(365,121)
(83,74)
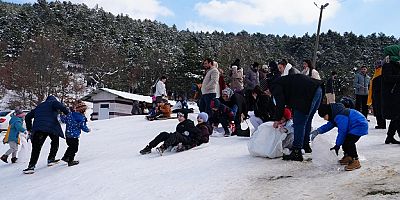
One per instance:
(109,103)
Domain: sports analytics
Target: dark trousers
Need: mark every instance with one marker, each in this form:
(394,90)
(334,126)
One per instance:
(393,127)
(216,119)
(349,145)
(380,121)
(169,139)
(38,139)
(361,104)
(73,144)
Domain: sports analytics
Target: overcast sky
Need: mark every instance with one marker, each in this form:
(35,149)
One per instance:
(290,17)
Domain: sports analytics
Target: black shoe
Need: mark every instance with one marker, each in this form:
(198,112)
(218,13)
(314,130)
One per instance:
(52,162)
(307,148)
(4,158)
(295,155)
(29,170)
(65,159)
(72,163)
(391,140)
(380,127)
(146,150)
(14,160)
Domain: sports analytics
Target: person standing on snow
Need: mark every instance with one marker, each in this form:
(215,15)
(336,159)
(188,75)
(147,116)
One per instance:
(45,125)
(391,91)
(12,138)
(75,122)
(330,88)
(361,83)
(375,95)
(209,85)
(161,91)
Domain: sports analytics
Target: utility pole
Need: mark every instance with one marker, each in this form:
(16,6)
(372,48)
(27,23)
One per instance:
(317,40)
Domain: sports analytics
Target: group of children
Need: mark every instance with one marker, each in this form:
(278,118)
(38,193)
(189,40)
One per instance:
(75,122)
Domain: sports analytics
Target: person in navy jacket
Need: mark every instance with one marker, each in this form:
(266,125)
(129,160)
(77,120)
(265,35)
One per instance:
(45,125)
(351,126)
(75,122)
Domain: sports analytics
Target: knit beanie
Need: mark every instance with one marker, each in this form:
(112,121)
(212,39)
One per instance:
(183,112)
(80,106)
(287,114)
(215,103)
(325,109)
(228,92)
(203,116)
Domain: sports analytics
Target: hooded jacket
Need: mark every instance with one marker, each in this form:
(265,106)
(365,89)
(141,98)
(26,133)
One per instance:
(361,83)
(75,123)
(348,121)
(45,115)
(15,128)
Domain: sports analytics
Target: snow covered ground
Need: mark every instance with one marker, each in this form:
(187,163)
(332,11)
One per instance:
(112,168)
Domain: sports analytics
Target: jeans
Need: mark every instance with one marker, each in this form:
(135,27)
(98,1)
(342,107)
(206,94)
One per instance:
(38,139)
(205,103)
(302,122)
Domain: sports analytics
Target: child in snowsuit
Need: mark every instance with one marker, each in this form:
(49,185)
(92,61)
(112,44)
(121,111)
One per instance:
(204,126)
(185,133)
(351,126)
(75,121)
(12,139)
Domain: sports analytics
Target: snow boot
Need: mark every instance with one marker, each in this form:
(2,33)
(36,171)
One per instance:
(146,150)
(29,170)
(65,159)
(14,160)
(52,162)
(295,155)
(307,148)
(354,164)
(73,162)
(161,149)
(345,160)
(391,140)
(4,158)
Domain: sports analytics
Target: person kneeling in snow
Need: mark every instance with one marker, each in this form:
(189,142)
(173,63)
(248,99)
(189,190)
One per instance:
(186,133)
(351,126)
(222,114)
(75,121)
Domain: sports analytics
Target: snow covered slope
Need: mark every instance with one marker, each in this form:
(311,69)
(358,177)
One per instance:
(112,168)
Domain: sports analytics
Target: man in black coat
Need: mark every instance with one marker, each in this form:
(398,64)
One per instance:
(302,94)
(45,124)
(186,133)
(391,91)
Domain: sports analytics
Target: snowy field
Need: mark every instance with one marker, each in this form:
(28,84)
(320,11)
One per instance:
(112,168)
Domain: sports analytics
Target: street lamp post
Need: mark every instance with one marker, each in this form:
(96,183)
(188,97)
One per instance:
(317,40)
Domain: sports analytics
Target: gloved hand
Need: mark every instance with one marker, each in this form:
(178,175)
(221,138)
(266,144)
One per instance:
(314,134)
(336,148)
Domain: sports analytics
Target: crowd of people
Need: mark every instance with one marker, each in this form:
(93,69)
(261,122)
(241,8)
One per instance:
(277,92)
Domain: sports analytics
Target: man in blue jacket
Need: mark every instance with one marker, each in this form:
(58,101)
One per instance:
(45,124)
(351,126)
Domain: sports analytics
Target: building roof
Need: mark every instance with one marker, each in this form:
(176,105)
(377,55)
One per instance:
(121,94)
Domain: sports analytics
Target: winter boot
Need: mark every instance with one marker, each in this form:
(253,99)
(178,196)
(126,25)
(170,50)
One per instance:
(29,170)
(73,162)
(65,159)
(52,162)
(307,148)
(354,164)
(146,150)
(161,149)
(14,160)
(295,155)
(4,158)
(345,160)
(391,140)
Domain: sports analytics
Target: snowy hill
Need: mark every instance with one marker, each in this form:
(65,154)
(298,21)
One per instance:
(112,168)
